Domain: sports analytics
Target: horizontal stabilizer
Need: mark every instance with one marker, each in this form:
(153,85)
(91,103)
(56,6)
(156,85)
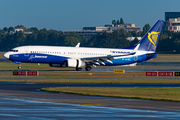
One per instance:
(136,48)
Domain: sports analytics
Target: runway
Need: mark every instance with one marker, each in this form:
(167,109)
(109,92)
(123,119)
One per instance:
(4,60)
(38,86)
(20,104)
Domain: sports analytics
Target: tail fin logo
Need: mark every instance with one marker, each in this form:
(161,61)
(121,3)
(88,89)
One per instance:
(153,37)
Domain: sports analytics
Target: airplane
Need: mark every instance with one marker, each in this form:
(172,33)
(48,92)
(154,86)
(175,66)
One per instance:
(78,57)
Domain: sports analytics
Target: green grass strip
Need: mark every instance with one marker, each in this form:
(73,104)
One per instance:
(161,94)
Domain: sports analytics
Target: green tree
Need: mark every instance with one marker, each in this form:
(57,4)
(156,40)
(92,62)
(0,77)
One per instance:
(135,41)
(11,29)
(5,29)
(55,38)
(117,39)
(114,22)
(167,43)
(133,34)
(1,33)
(121,21)
(18,39)
(70,41)
(80,38)
(140,34)
(31,39)
(20,27)
(33,29)
(146,28)
(118,23)
(42,37)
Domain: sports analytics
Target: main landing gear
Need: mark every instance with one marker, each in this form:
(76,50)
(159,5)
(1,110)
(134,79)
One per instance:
(78,69)
(88,68)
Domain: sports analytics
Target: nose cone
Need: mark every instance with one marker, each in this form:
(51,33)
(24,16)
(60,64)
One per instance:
(6,55)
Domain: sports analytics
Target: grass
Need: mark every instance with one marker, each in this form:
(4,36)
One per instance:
(91,80)
(137,77)
(92,74)
(30,66)
(83,74)
(166,94)
(170,58)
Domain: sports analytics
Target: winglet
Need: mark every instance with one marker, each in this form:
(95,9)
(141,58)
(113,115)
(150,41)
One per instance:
(77,45)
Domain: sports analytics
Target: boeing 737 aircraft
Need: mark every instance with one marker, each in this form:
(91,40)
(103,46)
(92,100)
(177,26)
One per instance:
(79,57)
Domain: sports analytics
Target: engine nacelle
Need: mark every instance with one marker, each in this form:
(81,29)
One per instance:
(70,63)
(81,63)
(74,63)
(55,65)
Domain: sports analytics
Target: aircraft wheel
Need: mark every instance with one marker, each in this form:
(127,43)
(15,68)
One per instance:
(78,69)
(19,67)
(88,68)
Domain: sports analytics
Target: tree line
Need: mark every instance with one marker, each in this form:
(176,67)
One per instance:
(118,22)
(168,42)
(10,40)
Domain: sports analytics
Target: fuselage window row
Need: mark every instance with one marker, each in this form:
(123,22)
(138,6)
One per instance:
(64,53)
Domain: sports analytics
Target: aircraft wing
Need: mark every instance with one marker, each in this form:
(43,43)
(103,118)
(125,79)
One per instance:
(108,58)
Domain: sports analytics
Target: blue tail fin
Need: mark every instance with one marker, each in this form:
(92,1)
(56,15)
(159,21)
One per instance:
(150,39)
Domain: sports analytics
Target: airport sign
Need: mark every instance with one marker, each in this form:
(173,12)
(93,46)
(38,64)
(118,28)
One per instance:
(119,71)
(176,73)
(26,73)
(161,73)
(151,73)
(165,73)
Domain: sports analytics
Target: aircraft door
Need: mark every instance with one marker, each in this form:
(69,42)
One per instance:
(26,52)
(135,58)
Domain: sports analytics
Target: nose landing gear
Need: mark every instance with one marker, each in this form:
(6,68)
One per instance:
(19,67)
(19,63)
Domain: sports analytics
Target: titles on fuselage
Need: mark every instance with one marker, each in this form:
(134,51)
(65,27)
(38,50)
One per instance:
(40,56)
(120,52)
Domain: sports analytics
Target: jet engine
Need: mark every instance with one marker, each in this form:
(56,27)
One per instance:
(55,65)
(75,63)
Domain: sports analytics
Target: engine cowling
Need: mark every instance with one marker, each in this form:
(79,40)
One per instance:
(70,63)
(55,65)
(74,63)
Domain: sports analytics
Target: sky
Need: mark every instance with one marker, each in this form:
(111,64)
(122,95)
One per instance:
(65,15)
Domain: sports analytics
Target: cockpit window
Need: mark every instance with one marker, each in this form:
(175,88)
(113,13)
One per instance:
(14,50)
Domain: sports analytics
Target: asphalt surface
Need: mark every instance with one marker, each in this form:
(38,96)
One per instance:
(31,104)
(4,60)
(43,77)
(37,86)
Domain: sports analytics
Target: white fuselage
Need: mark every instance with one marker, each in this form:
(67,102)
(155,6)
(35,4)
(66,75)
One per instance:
(52,54)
